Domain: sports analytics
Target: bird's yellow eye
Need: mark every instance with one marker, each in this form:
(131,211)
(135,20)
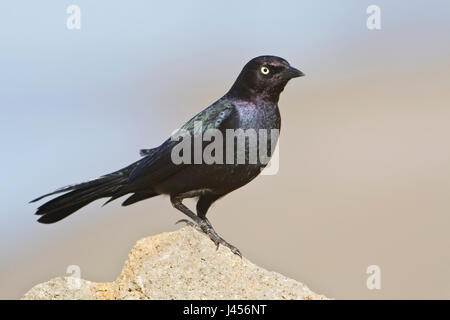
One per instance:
(264,70)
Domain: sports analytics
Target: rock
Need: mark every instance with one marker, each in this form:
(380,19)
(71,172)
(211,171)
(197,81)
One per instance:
(180,265)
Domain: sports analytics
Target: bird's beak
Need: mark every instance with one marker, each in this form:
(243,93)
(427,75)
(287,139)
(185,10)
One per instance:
(292,72)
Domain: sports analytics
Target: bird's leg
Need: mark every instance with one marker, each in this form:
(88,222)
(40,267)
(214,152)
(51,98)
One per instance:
(203,204)
(202,224)
(178,204)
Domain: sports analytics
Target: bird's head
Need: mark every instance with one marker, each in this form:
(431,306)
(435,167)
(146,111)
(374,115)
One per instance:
(263,77)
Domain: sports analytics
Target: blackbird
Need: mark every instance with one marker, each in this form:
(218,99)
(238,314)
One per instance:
(250,104)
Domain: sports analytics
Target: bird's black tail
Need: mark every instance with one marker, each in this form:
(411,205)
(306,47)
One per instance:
(80,195)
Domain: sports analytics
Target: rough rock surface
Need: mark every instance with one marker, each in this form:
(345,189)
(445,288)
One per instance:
(180,265)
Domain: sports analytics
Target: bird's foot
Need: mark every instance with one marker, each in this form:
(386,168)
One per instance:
(207,228)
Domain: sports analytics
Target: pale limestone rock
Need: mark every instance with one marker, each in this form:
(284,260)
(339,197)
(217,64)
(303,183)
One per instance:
(180,265)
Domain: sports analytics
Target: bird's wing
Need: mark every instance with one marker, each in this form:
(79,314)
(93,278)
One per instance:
(158,165)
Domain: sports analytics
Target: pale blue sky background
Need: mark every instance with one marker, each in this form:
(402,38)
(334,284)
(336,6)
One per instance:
(78,104)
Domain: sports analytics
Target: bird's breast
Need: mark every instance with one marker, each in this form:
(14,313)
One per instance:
(258,116)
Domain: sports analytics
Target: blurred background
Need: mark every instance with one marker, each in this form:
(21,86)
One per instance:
(364,174)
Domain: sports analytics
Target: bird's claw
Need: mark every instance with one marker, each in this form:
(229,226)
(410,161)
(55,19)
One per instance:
(189,223)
